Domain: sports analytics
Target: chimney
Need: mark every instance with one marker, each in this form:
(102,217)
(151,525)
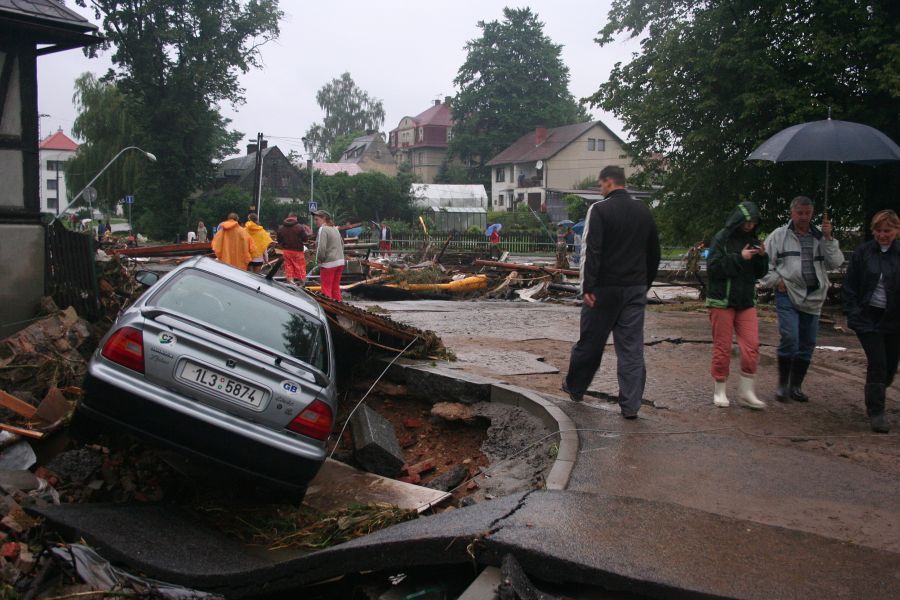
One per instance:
(251,149)
(540,135)
(437,102)
(265,144)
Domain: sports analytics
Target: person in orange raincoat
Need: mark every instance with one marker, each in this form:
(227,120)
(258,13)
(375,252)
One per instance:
(261,239)
(232,244)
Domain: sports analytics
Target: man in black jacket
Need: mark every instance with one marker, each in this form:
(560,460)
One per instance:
(621,258)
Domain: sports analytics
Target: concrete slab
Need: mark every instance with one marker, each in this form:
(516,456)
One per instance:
(339,485)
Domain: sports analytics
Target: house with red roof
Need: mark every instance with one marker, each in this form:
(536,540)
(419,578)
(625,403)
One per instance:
(544,165)
(422,140)
(55,151)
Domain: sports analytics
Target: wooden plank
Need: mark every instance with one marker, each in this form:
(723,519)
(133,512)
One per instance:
(167,250)
(29,433)
(20,407)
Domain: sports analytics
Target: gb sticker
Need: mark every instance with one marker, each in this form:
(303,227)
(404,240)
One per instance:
(290,387)
(167,339)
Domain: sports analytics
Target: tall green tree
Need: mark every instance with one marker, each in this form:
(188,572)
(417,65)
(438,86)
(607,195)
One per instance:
(512,81)
(176,62)
(715,79)
(348,109)
(104,123)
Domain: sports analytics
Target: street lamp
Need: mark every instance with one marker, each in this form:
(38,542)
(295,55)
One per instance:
(78,195)
(312,172)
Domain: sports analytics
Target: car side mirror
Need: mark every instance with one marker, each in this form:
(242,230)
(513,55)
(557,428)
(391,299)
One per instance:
(146,278)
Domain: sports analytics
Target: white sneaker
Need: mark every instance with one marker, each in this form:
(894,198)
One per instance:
(719,397)
(746,395)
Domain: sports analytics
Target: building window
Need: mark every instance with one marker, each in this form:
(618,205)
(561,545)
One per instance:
(53,203)
(421,133)
(601,145)
(501,174)
(53,165)
(51,184)
(449,133)
(592,144)
(500,200)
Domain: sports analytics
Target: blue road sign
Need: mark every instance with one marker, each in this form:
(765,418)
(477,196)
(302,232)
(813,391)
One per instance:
(129,199)
(313,206)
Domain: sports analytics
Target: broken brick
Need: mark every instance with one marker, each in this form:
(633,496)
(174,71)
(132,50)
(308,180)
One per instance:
(412,423)
(9,550)
(414,479)
(26,560)
(471,486)
(421,467)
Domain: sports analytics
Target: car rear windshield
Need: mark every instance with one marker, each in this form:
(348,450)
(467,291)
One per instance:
(246,313)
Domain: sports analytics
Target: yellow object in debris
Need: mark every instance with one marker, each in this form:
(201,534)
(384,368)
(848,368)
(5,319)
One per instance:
(469,284)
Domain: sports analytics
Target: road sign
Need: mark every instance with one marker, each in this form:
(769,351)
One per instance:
(129,199)
(313,206)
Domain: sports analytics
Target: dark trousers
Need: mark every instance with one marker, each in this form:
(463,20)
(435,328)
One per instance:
(620,311)
(881,356)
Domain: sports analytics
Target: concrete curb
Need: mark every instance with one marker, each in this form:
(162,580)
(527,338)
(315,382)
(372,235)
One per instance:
(442,384)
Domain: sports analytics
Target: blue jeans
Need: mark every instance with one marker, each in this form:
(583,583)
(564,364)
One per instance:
(798,329)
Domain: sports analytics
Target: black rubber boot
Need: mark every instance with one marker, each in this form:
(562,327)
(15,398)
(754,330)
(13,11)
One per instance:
(875,407)
(783,392)
(798,372)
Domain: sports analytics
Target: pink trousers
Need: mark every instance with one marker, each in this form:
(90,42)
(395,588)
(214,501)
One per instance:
(331,281)
(744,326)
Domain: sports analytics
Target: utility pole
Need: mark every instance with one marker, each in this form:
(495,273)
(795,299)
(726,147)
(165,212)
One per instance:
(257,180)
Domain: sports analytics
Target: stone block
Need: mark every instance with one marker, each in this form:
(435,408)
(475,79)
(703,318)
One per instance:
(375,444)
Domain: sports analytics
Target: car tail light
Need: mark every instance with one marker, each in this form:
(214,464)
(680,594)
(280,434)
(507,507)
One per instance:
(313,421)
(126,347)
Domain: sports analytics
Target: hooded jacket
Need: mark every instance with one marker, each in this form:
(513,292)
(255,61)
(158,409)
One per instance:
(867,265)
(329,247)
(732,280)
(259,235)
(292,235)
(233,245)
(785,263)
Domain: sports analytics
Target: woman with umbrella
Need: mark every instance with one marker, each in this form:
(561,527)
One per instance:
(872,304)
(493,234)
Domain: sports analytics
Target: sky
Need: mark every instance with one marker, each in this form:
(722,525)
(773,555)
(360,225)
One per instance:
(405,53)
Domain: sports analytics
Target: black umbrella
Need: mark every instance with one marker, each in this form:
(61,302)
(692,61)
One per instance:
(829,141)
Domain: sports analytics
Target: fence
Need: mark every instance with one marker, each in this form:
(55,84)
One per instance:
(518,243)
(71,275)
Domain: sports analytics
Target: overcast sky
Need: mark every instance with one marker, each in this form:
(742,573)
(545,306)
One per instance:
(405,53)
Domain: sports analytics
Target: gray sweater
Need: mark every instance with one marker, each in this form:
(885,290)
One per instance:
(329,247)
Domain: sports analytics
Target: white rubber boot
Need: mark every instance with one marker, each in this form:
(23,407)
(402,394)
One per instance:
(746,395)
(719,397)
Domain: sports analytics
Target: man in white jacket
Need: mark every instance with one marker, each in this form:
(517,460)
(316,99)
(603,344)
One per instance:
(800,256)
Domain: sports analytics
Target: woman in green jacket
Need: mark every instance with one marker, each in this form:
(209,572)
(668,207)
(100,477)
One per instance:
(736,260)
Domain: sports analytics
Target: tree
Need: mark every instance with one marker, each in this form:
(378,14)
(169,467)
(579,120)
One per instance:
(452,173)
(175,62)
(714,80)
(105,125)
(213,207)
(364,197)
(348,109)
(512,81)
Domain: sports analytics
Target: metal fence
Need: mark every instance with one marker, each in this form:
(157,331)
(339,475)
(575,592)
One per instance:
(71,275)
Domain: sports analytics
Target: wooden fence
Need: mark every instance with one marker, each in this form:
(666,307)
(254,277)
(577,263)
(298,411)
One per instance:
(518,243)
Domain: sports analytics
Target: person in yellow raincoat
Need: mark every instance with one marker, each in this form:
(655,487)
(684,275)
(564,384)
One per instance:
(232,244)
(261,239)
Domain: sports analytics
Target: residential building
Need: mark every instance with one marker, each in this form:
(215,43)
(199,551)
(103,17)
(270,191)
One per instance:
(542,166)
(281,180)
(29,29)
(371,154)
(328,169)
(422,140)
(55,152)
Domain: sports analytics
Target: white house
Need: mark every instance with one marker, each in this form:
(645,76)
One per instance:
(54,152)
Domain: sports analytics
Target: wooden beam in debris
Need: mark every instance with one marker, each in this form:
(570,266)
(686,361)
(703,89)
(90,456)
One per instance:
(517,267)
(168,250)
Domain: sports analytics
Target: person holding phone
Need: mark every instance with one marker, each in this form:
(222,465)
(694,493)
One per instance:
(736,260)
(800,256)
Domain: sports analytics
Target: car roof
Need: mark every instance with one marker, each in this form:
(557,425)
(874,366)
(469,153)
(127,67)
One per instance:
(270,288)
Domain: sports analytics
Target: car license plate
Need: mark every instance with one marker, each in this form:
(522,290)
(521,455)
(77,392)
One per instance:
(221,384)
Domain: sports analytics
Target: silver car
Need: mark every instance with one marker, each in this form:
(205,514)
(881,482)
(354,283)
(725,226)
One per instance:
(222,364)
